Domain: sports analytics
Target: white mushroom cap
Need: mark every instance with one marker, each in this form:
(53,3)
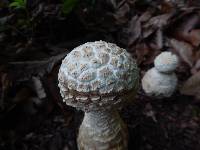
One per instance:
(166,62)
(159,84)
(97,74)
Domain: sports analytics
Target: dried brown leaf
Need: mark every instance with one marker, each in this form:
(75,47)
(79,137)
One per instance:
(196,67)
(134,30)
(161,20)
(167,6)
(121,13)
(192,86)
(145,16)
(146,53)
(141,51)
(184,50)
(186,30)
(155,23)
(194,37)
(25,70)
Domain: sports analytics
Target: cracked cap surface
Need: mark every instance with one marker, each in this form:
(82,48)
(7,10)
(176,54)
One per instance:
(97,74)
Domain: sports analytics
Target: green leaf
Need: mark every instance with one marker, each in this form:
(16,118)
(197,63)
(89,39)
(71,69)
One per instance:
(18,4)
(23,3)
(14,4)
(68,6)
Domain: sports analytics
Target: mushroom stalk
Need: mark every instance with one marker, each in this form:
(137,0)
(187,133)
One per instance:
(103,130)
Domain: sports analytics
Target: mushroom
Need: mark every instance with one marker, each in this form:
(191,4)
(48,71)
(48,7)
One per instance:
(161,81)
(166,62)
(99,77)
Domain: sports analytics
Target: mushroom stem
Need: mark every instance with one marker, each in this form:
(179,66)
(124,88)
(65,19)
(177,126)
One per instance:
(102,130)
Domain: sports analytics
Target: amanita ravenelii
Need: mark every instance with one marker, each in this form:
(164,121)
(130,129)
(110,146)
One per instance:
(161,81)
(99,77)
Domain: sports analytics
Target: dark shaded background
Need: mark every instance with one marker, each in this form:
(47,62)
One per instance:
(35,38)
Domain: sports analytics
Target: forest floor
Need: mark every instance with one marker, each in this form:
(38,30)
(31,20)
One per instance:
(35,37)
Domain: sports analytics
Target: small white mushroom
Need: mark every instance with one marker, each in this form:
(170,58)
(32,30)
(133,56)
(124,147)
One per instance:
(158,84)
(166,62)
(161,81)
(99,89)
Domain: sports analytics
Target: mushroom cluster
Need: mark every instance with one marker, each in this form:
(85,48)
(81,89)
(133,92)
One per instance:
(99,77)
(161,81)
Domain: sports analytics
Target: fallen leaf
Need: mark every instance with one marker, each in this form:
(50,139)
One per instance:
(134,30)
(186,30)
(121,13)
(194,37)
(141,51)
(160,21)
(155,23)
(25,70)
(192,86)
(196,67)
(145,16)
(184,50)
(167,6)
